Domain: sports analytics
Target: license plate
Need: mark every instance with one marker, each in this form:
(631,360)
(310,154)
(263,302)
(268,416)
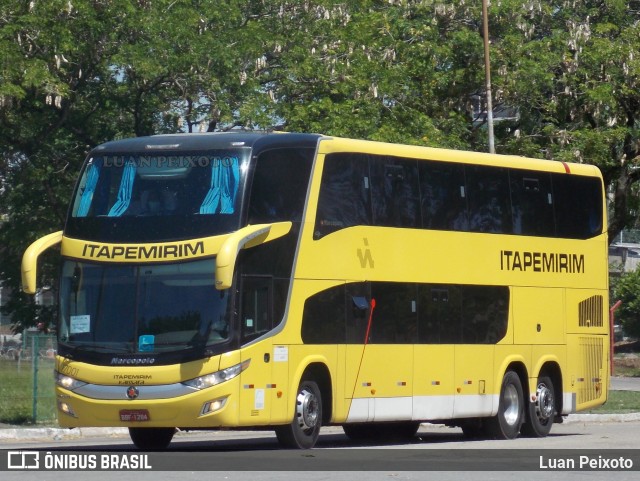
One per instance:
(134,415)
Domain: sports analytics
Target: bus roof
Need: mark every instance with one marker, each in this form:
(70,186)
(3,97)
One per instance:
(264,139)
(208,140)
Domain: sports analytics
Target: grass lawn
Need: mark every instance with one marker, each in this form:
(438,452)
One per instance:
(619,402)
(16,392)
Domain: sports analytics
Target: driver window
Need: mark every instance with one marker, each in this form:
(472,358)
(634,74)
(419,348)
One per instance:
(256,310)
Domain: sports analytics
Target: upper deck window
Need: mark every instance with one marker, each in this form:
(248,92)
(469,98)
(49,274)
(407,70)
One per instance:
(386,191)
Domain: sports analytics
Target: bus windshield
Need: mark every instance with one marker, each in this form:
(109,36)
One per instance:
(146,309)
(163,194)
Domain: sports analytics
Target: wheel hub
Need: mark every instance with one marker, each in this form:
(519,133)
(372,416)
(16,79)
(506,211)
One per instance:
(511,405)
(307,410)
(544,402)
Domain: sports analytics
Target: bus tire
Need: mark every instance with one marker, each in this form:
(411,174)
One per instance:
(149,439)
(507,423)
(304,430)
(540,413)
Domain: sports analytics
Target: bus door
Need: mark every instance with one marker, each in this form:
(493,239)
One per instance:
(483,322)
(382,361)
(268,372)
(434,352)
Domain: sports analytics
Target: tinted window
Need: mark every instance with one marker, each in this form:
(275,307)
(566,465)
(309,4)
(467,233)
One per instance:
(532,203)
(395,315)
(485,314)
(359,189)
(407,313)
(256,310)
(489,200)
(323,319)
(578,206)
(440,314)
(443,200)
(394,192)
(279,185)
(358,311)
(344,194)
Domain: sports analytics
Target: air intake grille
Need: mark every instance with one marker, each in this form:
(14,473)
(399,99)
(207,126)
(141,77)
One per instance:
(590,312)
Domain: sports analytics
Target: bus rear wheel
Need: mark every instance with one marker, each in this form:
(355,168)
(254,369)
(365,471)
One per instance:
(304,430)
(149,439)
(541,412)
(507,423)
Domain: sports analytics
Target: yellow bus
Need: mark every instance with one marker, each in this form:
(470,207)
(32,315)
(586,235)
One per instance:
(293,281)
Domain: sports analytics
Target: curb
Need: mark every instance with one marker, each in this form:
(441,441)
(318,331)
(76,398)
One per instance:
(601,418)
(59,434)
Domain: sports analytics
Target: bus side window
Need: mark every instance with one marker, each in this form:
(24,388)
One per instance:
(323,319)
(256,309)
(358,299)
(489,199)
(279,185)
(440,309)
(532,203)
(443,196)
(394,192)
(395,316)
(485,314)
(344,194)
(578,206)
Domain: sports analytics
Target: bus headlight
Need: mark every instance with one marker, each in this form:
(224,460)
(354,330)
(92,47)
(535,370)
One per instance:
(203,382)
(68,382)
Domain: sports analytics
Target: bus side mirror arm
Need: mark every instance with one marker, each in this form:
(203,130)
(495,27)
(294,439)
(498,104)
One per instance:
(249,236)
(30,260)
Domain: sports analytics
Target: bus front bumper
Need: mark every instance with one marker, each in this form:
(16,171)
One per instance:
(142,406)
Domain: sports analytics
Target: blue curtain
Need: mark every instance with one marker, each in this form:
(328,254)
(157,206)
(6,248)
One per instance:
(126,188)
(221,196)
(93,174)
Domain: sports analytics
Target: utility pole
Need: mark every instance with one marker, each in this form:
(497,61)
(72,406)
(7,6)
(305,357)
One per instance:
(487,75)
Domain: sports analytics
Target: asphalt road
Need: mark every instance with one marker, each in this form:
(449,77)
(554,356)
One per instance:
(255,455)
(625,384)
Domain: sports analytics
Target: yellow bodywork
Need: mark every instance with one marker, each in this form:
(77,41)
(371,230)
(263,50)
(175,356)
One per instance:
(547,325)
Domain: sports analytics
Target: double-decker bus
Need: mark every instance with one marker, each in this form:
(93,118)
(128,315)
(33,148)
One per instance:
(298,280)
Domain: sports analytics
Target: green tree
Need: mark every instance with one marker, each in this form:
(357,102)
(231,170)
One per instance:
(571,69)
(74,73)
(626,290)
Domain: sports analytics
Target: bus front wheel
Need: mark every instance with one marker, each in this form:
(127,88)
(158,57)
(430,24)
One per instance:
(506,424)
(542,411)
(304,430)
(149,439)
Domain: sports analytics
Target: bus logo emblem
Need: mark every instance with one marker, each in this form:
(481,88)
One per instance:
(365,257)
(132,392)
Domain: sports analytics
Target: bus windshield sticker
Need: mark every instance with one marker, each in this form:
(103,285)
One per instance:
(146,343)
(80,324)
